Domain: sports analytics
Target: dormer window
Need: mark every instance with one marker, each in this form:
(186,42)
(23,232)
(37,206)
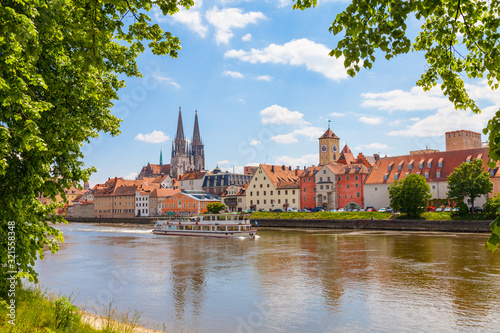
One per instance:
(426,175)
(421,164)
(440,162)
(468,158)
(429,163)
(396,176)
(389,168)
(400,165)
(410,165)
(438,174)
(386,176)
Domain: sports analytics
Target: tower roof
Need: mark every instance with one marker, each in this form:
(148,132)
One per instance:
(196,131)
(329,134)
(180,128)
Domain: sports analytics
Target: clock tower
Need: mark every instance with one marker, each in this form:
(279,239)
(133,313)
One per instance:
(328,147)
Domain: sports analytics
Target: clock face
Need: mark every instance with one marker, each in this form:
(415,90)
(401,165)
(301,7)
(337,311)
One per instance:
(324,148)
(334,148)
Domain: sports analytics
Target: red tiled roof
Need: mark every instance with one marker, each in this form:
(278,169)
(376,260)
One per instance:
(310,171)
(281,176)
(192,175)
(329,134)
(450,160)
(164,192)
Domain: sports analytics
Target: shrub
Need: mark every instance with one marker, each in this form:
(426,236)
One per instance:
(492,206)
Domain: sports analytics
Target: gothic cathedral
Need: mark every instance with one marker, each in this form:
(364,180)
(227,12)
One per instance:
(186,157)
(328,147)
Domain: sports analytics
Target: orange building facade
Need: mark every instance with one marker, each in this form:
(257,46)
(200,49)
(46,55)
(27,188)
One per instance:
(185,203)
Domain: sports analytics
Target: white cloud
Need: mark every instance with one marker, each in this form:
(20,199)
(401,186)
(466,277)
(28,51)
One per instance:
(371,120)
(153,137)
(445,118)
(374,146)
(285,138)
(306,160)
(223,162)
(279,115)
(415,99)
(227,19)
(264,78)
(131,176)
(255,143)
(234,75)
(165,79)
(313,133)
(191,18)
(337,114)
(246,38)
(299,52)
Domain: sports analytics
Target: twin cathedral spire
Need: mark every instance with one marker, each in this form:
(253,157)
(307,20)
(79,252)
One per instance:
(187,156)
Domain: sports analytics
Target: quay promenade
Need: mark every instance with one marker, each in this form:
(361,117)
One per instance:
(402,225)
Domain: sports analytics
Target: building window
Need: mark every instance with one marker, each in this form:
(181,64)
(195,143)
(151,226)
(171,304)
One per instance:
(321,187)
(324,171)
(279,192)
(340,178)
(279,201)
(271,192)
(347,178)
(320,179)
(328,178)
(347,186)
(264,192)
(426,175)
(356,177)
(327,187)
(264,201)
(251,193)
(304,189)
(358,194)
(257,193)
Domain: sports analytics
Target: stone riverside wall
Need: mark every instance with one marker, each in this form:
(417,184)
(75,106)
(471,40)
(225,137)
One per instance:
(403,225)
(131,220)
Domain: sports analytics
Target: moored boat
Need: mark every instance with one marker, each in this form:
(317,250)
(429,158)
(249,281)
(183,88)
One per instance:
(208,225)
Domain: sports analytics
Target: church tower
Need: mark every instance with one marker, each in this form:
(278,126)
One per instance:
(197,148)
(186,157)
(328,147)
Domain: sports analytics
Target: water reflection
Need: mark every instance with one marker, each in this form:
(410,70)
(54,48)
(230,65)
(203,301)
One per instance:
(286,280)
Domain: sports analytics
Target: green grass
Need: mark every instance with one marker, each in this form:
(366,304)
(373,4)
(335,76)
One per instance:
(37,312)
(430,216)
(323,215)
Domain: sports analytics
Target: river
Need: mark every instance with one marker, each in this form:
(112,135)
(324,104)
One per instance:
(286,280)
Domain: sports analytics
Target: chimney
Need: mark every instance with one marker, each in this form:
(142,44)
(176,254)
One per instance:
(272,168)
(283,167)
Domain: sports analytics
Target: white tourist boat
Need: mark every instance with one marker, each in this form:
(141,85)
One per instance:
(208,225)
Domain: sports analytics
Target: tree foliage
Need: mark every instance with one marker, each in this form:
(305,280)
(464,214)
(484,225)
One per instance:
(215,207)
(458,38)
(59,67)
(469,181)
(410,195)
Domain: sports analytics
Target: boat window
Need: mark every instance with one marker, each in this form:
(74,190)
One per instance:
(180,227)
(206,227)
(196,227)
(221,228)
(189,227)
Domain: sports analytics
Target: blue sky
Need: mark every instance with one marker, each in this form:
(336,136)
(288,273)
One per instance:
(260,77)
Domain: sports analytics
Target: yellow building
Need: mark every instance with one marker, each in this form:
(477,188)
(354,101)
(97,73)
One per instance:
(273,187)
(328,147)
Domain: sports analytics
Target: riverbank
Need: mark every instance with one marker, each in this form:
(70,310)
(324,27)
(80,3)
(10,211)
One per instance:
(38,311)
(375,224)
(399,225)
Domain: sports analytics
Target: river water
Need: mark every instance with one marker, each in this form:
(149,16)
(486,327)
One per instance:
(286,280)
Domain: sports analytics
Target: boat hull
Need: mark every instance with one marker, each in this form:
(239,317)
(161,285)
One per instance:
(217,234)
